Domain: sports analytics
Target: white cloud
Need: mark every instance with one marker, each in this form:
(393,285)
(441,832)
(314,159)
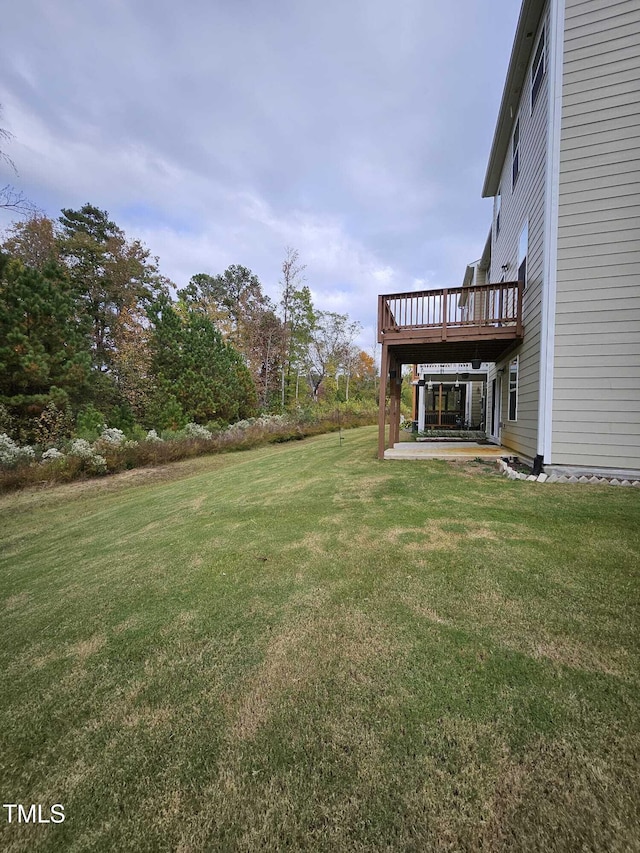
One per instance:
(222,133)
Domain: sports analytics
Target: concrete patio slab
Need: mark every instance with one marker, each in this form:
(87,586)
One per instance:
(446,450)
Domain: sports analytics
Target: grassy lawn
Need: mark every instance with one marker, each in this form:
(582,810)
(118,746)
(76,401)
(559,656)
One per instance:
(303,648)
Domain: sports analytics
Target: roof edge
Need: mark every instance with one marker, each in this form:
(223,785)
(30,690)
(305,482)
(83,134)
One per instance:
(485,261)
(523,45)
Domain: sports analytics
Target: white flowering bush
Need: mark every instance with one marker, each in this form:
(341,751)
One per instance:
(94,461)
(11,454)
(98,464)
(197,431)
(269,423)
(81,448)
(153,436)
(51,455)
(112,436)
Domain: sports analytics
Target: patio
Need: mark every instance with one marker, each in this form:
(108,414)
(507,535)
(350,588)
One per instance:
(416,450)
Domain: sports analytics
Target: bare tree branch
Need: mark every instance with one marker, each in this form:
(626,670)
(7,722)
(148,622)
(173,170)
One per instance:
(12,199)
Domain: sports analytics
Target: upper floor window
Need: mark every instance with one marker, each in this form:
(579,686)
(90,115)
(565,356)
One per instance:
(538,67)
(523,249)
(498,205)
(515,154)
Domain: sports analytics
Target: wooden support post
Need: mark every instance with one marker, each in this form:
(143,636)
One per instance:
(395,395)
(384,375)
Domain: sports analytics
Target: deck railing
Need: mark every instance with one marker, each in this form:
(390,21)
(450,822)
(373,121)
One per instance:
(455,307)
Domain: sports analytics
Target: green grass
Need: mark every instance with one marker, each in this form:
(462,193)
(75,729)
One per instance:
(302,648)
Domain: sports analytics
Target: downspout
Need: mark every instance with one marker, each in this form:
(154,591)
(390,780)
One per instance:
(550,259)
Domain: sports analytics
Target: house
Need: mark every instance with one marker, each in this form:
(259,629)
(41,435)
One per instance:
(554,303)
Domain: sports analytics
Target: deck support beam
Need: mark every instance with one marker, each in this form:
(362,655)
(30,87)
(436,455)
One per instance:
(395,394)
(382,399)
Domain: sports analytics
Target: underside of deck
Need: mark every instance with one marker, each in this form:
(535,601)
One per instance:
(484,343)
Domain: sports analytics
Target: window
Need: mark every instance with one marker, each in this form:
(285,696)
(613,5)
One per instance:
(515,154)
(538,68)
(498,206)
(513,389)
(523,247)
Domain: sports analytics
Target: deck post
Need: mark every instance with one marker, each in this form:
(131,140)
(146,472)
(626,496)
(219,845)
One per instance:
(395,393)
(382,399)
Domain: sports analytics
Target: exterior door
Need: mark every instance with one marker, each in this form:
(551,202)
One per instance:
(445,406)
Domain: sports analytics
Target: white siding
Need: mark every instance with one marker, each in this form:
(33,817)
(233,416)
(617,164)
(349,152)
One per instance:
(596,403)
(525,202)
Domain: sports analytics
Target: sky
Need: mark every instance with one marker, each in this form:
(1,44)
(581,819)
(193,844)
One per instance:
(224,131)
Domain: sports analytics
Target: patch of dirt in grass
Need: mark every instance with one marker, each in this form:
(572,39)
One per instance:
(439,535)
(480,531)
(315,543)
(148,717)
(469,470)
(16,602)
(127,624)
(578,655)
(302,653)
(35,658)
(361,488)
(85,648)
(196,504)
(313,598)
(424,611)
(516,624)
(180,621)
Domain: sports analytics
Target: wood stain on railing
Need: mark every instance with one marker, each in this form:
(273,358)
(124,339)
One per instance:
(485,305)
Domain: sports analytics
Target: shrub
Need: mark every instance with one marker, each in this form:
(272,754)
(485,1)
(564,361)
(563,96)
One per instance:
(54,425)
(12,455)
(112,436)
(196,431)
(91,460)
(81,448)
(121,416)
(7,421)
(112,451)
(90,423)
(51,455)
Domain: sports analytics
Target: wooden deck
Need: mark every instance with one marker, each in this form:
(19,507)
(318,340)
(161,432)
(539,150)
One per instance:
(443,326)
(437,324)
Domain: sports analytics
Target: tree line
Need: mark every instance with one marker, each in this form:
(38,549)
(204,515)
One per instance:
(89,327)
